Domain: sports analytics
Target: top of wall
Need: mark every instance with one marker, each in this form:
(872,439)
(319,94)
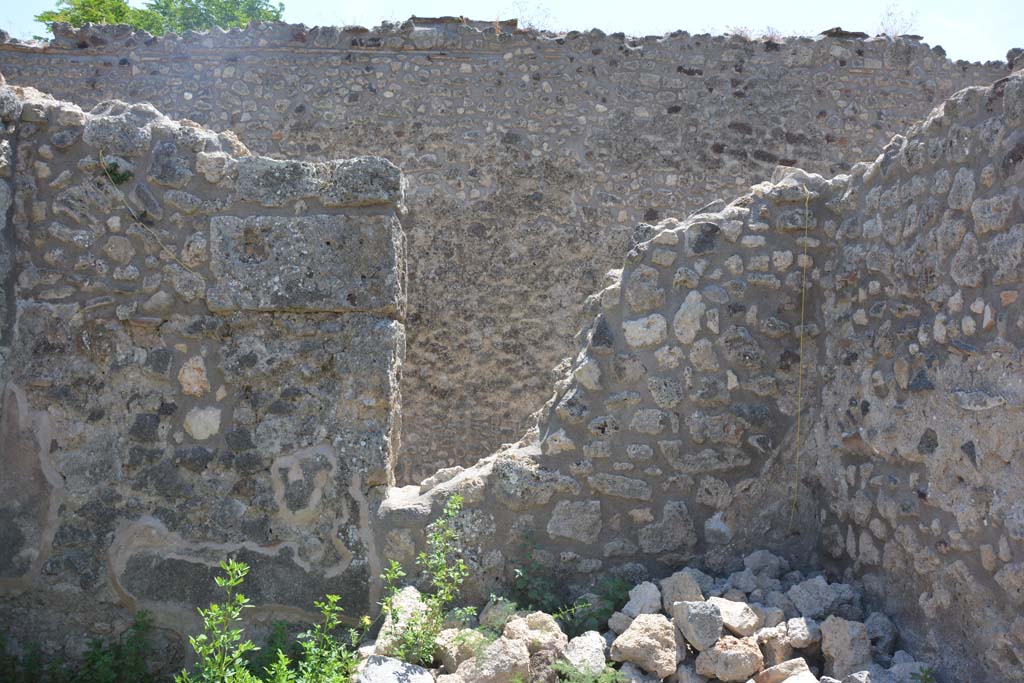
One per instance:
(444,33)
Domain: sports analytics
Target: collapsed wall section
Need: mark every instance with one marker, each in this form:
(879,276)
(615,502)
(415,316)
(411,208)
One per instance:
(203,360)
(679,435)
(530,157)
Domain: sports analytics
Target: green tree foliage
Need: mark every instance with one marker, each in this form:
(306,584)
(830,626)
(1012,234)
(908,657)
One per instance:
(79,12)
(161,16)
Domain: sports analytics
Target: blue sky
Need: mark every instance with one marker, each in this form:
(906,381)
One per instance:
(978,30)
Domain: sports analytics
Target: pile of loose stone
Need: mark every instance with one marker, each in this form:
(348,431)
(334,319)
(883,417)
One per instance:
(764,624)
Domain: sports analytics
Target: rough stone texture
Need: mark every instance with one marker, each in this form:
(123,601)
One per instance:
(679,587)
(503,661)
(586,653)
(738,617)
(817,597)
(146,433)
(784,671)
(846,646)
(388,670)
(530,159)
(538,630)
(912,388)
(890,293)
(699,622)
(643,599)
(456,645)
(803,632)
(730,659)
(650,643)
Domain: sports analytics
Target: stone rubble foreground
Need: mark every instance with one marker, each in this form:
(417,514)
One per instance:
(762,624)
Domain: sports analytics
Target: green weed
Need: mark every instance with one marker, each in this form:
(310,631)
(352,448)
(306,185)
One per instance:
(445,572)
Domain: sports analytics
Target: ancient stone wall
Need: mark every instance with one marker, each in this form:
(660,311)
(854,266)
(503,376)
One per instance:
(531,158)
(891,295)
(919,444)
(203,359)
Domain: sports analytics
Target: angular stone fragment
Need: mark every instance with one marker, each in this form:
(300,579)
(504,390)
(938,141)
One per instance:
(737,616)
(990,215)
(962,191)
(117,128)
(642,291)
(622,487)
(643,599)
(585,652)
(784,671)
(388,670)
(673,532)
(119,249)
(882,633)
(700,622)
(619,622)
(650,643)
(681,586)
(846,646)
(538,630)
(496,613)
(731,660)
(456,645)
(774,642)
(817,597)
(503,661)
(965,267)
(192,377)
(686,673)
(1006,254)
(803,632)
(1011,579)
(631,673)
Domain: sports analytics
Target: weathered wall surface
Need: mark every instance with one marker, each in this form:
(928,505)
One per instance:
(672,438)
(204,360)
(530,160)
(920,440)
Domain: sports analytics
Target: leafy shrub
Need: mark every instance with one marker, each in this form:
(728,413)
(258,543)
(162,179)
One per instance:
(445,572)
(324,658)
(121,661)
(223,654)
(220,648)
(277,641)
(612,592)
(535,588)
